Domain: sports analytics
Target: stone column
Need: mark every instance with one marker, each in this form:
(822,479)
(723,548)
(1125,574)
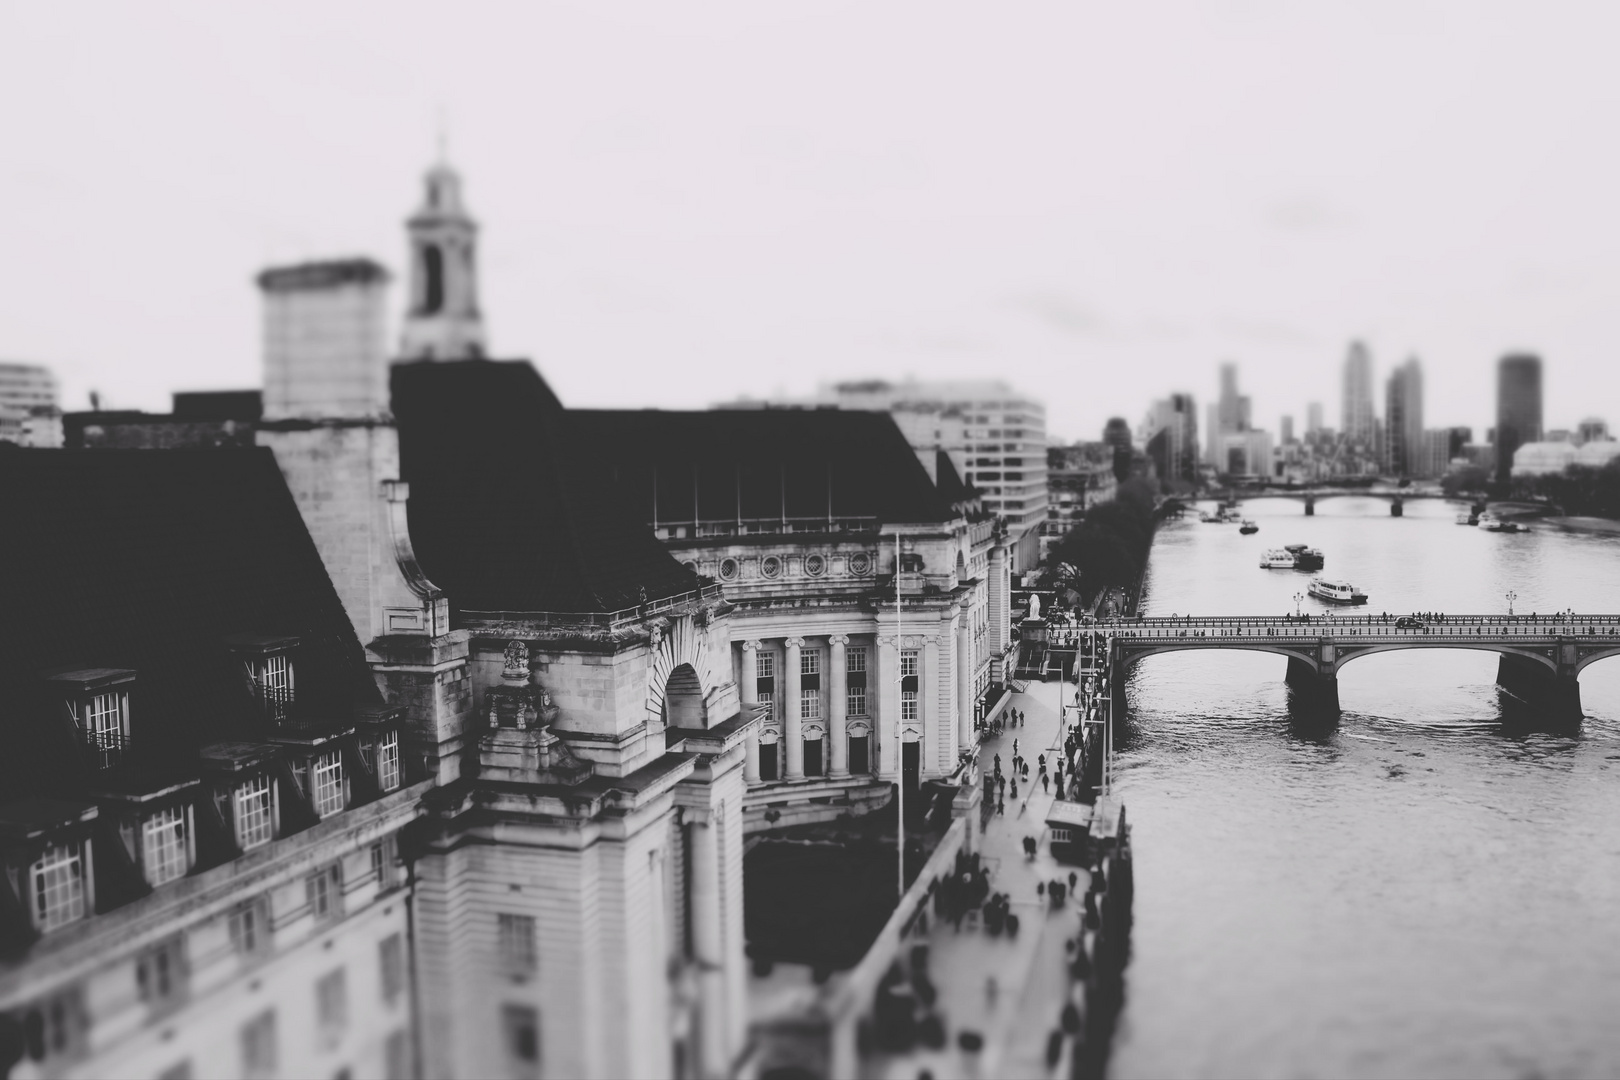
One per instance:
(837,704)
(966,737)
(790,710)
(707,948)
(886,724)
(1000,611)
(928,711)
(749,690)
(749,693)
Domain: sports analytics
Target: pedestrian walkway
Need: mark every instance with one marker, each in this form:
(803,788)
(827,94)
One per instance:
(1029,968)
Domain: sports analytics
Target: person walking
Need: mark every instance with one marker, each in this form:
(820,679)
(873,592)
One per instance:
(1046,783)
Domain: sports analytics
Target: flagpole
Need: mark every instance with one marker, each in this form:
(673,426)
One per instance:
(899,725)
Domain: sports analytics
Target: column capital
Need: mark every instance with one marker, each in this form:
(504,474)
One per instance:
(751,645)
(840,640)
(794,642)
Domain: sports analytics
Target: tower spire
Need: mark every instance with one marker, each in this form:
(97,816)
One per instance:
(443,321)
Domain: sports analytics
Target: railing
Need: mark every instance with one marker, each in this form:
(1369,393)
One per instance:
(570,620)
(276,703)
(1450,628)
(772,526)
(106,748)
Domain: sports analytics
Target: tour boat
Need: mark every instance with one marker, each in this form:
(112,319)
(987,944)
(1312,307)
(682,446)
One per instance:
(1277,559)
(1248,528)
(1306,558)
(1491,522)
(1465,518)
(1336,592)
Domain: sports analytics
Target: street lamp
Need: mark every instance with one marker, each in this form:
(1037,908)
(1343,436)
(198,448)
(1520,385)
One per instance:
(1511,596)
(1299,598)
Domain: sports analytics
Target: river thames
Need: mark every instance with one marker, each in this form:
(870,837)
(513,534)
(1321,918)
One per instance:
(1421,890)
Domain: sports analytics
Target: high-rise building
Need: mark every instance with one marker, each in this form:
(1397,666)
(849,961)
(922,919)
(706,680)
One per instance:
(995,435)
(1518,407)
(1313,418)
(1171,434)
(1357,418)
(1286,429)
(1117,434)
(1403,421)
(29,413)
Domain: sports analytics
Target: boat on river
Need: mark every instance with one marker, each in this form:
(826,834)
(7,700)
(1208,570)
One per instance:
(1465,518)
(1277,559)
(1336,592)
(1306,558)
(1248,528)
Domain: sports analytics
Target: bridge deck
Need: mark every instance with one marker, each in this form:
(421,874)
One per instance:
(1370,629)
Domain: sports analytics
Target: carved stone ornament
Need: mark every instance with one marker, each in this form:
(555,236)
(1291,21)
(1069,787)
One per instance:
(517,661)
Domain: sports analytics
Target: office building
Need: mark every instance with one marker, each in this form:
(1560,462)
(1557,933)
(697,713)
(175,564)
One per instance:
(1403,421)
(1356,420)
(1518,408)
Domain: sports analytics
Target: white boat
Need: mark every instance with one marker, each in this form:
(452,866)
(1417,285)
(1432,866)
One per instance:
(1277,559)
(1491,522)
(1336,592)
(1465,518)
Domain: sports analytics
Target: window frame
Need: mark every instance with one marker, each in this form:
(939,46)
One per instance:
(262,784)
(58,881)
(327,784)
(155,856)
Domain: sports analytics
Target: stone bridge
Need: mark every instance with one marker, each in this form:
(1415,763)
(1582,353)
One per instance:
(1542,656)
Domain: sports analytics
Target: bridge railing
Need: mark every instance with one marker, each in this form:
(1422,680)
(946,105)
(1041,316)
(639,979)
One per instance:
(1461,628)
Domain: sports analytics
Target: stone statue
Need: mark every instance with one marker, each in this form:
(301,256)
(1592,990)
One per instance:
(1034,606)
(517,661)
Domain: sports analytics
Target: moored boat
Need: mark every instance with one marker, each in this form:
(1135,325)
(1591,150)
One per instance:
(1336,592)
(1277,559)
(1306,558)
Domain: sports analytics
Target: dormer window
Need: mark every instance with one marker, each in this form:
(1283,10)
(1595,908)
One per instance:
(267,660)
(97,701)
(327,791)
(58,886)
(166,845)
(389,773)
(255,812)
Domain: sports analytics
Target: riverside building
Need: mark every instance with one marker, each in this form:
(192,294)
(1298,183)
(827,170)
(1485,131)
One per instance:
(391,747)
(799,517)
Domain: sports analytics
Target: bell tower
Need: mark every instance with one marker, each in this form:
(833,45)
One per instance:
(442,319)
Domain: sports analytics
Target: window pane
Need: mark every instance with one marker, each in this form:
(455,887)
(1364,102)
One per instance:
(326,783)
(515,939)
(164,835)
(58,886)
(254,825)
(388,770)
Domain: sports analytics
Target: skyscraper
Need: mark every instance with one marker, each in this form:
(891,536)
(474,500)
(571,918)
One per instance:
(1357,422)
(1313,418)
(1172,437)
(1518,407)
(1403,421)
(1117,434)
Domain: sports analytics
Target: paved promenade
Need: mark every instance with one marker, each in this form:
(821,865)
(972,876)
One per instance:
(1029,970)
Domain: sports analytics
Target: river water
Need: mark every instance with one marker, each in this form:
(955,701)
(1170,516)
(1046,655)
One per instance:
(1420,891)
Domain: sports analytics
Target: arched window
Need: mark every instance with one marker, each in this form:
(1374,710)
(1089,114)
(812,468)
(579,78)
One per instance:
(432,279)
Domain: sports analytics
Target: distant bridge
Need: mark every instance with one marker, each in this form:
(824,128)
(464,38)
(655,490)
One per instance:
(1396,497)
(1542,656)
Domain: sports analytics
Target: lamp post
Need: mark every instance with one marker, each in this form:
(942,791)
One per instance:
(1299,598)
(1511,596)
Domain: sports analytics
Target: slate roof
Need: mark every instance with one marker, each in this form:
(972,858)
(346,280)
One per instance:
(148,561)
(509,511)
(762,463)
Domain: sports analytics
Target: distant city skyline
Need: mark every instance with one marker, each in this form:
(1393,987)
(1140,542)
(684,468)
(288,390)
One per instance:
(1019,205)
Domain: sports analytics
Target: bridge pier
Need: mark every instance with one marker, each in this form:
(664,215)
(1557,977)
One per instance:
(1310,506)
(1396,507)
(1312,689)
(1555,694)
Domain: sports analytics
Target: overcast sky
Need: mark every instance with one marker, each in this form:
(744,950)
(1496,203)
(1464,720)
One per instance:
(683,202)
